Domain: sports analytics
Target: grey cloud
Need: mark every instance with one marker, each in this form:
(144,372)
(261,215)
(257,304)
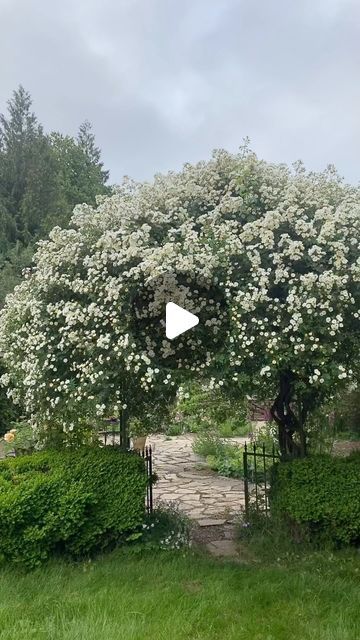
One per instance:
(164,81)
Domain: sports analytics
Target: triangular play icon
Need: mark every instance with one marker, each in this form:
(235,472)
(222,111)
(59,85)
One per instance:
(178,320)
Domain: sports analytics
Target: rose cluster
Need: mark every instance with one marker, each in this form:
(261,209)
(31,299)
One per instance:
(281,244)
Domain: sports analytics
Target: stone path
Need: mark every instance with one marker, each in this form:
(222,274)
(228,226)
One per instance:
(204,496)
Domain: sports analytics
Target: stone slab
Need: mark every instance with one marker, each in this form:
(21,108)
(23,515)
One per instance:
(211,522)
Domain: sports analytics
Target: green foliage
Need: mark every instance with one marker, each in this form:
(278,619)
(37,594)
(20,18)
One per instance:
(13,262)
(159,595)
(223,457)
(167,528)
(86,142)
(79,178)
(24,441)
(226,457)
(321,429)
(199,407)
(337,419)
(319,498)
(27,169)
(152,416)
(8,411)
(74,502)
(229,463)
(207,444)
(174,429)
(265,536)
(266,435)
(42,178)
(347,415)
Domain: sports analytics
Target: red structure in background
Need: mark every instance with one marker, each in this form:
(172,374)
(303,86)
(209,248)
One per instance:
(259,412)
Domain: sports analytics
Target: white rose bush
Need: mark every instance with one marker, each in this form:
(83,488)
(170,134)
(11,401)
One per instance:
(282,246)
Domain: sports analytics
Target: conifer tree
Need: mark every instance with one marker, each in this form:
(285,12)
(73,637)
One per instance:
(27,171)
(86,141)
(42,178)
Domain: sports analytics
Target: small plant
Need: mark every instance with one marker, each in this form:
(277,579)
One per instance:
(199,408)
(176,429)
(347,415)
(167,528)
(223,457)
(227,458)
(208,444)
(137,428)
(20,440)
(266,434)
(267,537)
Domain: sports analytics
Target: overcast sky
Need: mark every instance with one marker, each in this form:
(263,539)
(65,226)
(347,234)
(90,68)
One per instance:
(166,81)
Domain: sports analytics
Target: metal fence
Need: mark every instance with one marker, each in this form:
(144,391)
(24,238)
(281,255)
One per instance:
(113,435)
(147,454)
(257,465)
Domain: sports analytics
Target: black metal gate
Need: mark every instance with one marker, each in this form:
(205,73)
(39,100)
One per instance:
(147,454)
(257,464)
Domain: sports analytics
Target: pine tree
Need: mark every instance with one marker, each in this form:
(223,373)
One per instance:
(27,172)
(86,141)
(42,178)
(80,179)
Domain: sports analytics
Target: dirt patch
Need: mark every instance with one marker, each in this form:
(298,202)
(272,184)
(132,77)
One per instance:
(221,542)
(201,469)
(203,535)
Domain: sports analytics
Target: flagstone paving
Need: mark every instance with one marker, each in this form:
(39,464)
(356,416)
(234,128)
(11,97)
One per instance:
(204,496)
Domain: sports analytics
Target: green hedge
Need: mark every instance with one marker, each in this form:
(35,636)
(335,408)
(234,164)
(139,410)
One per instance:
(72,502)
(320,495)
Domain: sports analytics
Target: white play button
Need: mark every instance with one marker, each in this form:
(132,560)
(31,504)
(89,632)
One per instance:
(178,320)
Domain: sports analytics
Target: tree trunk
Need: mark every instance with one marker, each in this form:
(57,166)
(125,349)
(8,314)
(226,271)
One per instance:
(289,424)
(124,430)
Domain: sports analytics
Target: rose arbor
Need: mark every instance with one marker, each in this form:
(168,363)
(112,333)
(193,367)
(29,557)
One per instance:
(281,245)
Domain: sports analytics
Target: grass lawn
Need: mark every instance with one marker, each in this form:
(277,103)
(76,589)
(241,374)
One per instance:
(167,595)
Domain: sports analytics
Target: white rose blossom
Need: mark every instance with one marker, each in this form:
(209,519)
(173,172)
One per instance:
(283,246)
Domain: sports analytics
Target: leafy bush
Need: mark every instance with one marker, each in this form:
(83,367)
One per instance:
(227,458)
(337,419)
(72,502)
(319,498)
(199,408)
(208,444)
(223,457)
(20,439)
(263,536)
(176,429)
(229,462)
(347,415)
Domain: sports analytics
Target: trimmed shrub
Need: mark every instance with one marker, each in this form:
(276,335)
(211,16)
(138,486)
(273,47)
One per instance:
(72,502)
(319,497)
